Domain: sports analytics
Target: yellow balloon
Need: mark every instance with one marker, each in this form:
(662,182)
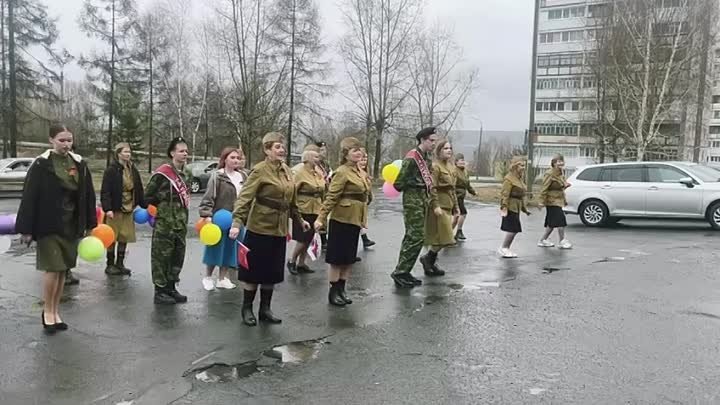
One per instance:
(390,173)
(210,235)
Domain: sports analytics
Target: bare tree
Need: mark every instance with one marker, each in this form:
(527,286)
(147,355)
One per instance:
(376,49)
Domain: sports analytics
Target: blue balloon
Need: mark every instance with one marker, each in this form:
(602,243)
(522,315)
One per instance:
(223,219)
(141,216)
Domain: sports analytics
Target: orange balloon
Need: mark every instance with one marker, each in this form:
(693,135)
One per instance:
(105,234)
(152,210)
(200,223)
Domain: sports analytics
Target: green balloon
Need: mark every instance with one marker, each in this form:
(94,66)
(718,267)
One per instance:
(91,249)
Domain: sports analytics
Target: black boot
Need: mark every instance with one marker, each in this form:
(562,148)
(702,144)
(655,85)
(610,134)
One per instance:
(265,314)
(428,262)
(110,269)
(70,279)
(460,235)
(120,264)
(415,281)
(292,268)
(173,292)
(341,292)
(248,316)
(304,269)
(367,242)
(163,297)
(334,295)
(403,280)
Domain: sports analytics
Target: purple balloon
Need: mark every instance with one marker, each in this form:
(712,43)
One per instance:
(151,222)
(7,225)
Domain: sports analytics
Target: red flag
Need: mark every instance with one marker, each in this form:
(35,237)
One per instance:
(288,238)
(314,249)
(242,255)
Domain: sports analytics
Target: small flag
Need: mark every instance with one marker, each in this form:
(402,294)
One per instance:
(288,238)
(242,255)
(314,249)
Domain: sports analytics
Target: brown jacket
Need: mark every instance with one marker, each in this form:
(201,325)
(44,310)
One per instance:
(309,190)
(219,195)
(553,189)
(512,195)
(442,193)
(462,183)
(347,198)
(267,200)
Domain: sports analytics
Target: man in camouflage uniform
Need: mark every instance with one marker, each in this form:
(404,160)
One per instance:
(167,190)
(416,198)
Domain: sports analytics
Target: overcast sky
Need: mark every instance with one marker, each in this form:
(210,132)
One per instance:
(496,36)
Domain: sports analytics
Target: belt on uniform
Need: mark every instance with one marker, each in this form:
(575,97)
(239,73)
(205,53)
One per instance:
(444,188)
(274,204)
(362,197)
(310,194)
(517,195)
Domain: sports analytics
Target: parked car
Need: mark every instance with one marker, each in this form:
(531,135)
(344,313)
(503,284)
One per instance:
(606,193)
(13,172)
(201,171)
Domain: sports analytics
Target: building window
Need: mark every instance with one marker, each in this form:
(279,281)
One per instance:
(715,144)
(554,61)
(589,83)
(575,106)
(716,99)
(714,130)
(557,129)
(597,10)
(716,114)
(568,12)
(714,159)
(564,36)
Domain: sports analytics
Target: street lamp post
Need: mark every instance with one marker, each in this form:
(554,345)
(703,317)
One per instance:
(533,77)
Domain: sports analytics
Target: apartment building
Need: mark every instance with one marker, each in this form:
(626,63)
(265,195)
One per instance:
(565,106)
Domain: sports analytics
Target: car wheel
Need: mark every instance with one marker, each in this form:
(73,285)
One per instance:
(714,215)
(594,213)
(195,186)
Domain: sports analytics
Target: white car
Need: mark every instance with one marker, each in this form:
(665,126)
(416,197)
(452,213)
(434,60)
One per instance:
(606,193)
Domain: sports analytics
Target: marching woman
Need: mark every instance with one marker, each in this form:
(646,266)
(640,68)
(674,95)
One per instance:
(309,191)
(346,205)
(57,209)
(264,206)
(552,197)
(367,242)
(168,191)
(512,203)
(462,187)
(121,192)
(443,207)
(222,190)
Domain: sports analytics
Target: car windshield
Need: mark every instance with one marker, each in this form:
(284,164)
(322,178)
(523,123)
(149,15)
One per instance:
(704,173)
(5,162)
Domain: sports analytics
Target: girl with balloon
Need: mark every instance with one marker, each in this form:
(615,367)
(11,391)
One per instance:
(222,190)
(56,210)
(121,193)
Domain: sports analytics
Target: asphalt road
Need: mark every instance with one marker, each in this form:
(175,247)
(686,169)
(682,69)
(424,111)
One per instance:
(631,315)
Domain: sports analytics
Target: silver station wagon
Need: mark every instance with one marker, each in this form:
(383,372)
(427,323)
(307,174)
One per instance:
(606,193)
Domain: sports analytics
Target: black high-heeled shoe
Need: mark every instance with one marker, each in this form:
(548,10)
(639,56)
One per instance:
(49,329)
(61,326)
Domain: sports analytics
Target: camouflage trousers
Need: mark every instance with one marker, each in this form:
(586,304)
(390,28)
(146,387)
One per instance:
(167,256)
(415,206)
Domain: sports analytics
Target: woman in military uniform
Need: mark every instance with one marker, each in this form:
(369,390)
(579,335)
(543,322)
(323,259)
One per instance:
(462,187)
(309,191)
(552,197)
(346,205)
(443,207)
(57,209)
(121,192)
(264,206)
(168,191)
(512,203)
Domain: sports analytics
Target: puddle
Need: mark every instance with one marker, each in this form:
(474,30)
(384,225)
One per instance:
(610,259)
(222,373)
(537,391)
(455,286)
(703,314)
(296,352)
(431,299)
(550,270)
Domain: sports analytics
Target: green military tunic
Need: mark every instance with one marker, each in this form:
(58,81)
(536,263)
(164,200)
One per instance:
(553,189)
(123,222)
(171,222)
(415,201)
(462,183)
(439,228)
(58,253)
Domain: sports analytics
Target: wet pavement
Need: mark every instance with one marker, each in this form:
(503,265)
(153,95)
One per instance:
(631,315)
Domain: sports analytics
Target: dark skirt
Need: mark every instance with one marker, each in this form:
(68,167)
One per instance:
(301,236)
(511,223)
(555,217)
(342,243)
(266,259)
(461,205)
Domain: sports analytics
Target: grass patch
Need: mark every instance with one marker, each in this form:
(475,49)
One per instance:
(490,194)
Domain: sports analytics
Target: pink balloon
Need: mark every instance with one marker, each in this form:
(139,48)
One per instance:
(390,191)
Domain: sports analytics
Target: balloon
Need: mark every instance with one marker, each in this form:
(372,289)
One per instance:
(397,163)
(105,234)
(200,223)
(390,190)
(141,215)
(91,249)
(100,215)
(223,219)
(151,222)
(7,225)
(152,210)
(390,173)
(210,235)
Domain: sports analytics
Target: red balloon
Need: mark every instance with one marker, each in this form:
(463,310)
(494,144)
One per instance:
(152,210)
